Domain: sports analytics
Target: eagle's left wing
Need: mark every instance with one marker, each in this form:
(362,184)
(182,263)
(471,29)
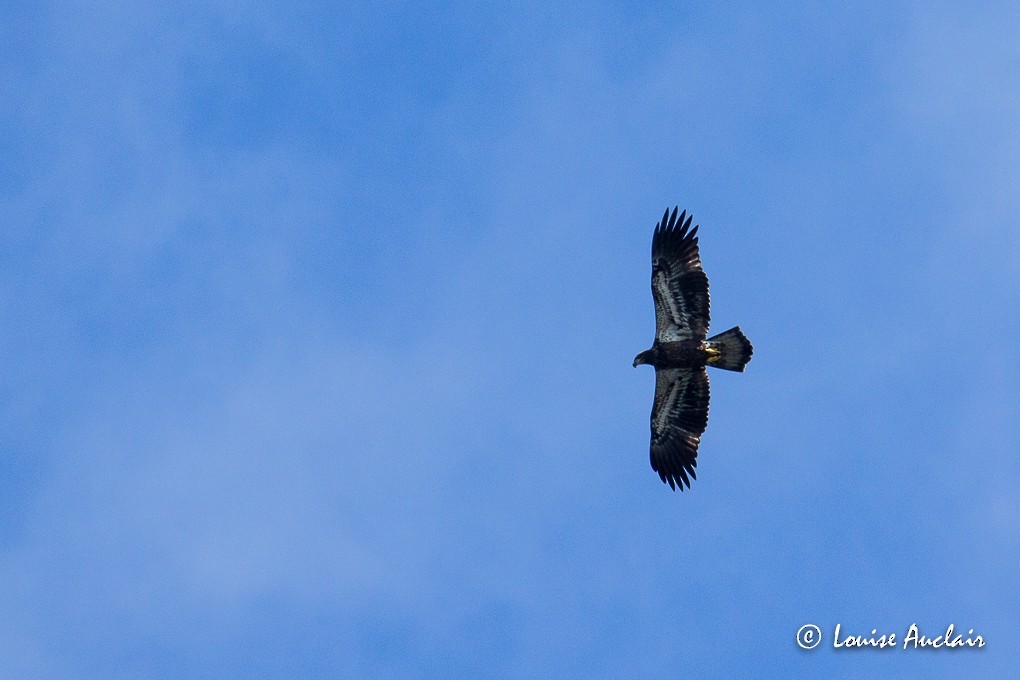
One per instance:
(679,284)
(679,417)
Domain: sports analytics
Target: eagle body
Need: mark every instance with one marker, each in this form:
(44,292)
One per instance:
(682,350)
(680,354)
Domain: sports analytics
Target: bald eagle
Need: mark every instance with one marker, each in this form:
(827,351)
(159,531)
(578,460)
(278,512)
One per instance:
(680,351)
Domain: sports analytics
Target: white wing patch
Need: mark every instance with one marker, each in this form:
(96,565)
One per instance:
(671,313)
(670,386)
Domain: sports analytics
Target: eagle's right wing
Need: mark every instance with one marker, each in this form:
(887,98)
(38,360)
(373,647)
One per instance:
(679,417)
(679,284)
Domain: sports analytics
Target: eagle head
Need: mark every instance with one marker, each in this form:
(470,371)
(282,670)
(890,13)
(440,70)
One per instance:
(646,357)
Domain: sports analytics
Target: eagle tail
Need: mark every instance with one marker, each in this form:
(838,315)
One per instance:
(730,350)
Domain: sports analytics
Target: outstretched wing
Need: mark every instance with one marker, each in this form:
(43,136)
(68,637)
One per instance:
(679,284)
(679,417)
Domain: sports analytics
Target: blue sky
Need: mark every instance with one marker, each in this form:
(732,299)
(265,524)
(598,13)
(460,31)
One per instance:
(317,325)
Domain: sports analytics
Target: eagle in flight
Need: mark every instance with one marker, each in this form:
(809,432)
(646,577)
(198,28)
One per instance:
(681,352)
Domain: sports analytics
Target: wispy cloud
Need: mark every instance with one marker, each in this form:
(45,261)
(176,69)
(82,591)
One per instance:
(318,330)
